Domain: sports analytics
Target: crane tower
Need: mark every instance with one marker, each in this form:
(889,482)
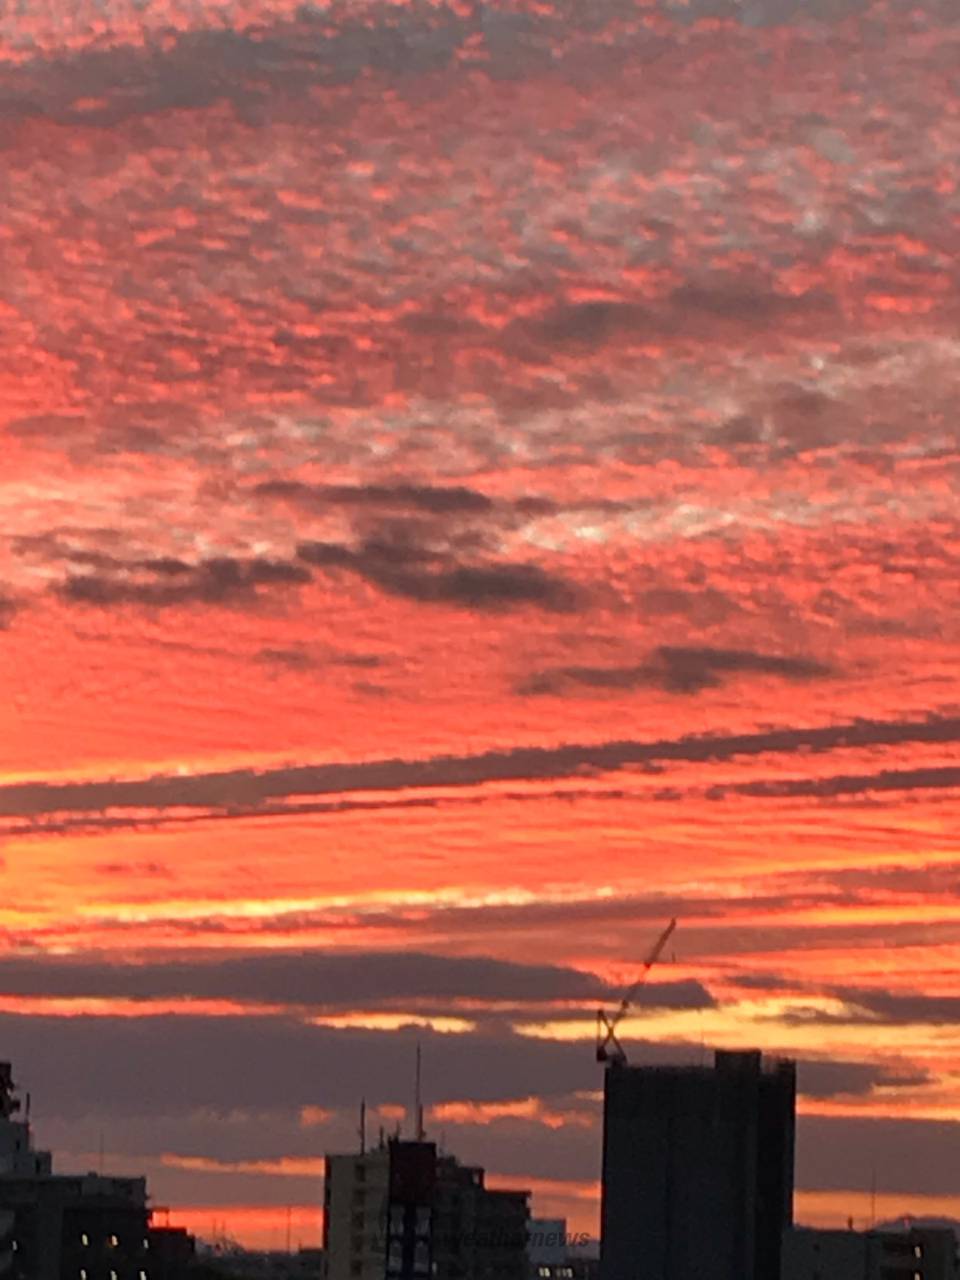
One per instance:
(609,1048)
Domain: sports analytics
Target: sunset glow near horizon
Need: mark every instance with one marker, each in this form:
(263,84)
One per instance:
(478,480)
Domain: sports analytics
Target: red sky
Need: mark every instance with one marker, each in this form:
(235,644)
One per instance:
(477,480)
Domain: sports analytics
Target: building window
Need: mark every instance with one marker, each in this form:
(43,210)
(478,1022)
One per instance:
(85,1240)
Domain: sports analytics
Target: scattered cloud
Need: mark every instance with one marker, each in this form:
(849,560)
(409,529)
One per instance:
(901,1155)
(418,574)
(429,499)
(943,777)
(147,870)
(678,670)
(349,979)
(166,583)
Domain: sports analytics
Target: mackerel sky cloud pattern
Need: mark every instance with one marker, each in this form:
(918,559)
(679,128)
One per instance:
(478,479)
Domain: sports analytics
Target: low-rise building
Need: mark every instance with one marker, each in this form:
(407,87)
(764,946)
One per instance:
(404,1211)
(547,1242)
(67,1226)
(915,1253)
(172,1250)
(270,1264)
(553,1253)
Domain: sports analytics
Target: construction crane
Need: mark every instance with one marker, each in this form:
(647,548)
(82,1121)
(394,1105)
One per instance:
(609,1048)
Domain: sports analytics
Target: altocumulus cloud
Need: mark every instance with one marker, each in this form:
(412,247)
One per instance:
(167,582)
(428,578)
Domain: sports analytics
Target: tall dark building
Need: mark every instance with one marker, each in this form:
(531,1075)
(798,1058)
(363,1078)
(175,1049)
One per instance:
(697,1169)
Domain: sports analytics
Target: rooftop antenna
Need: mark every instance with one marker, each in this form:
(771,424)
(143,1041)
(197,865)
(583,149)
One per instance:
(9,1102)
(609,1048)
(418,1099)
(363,1126)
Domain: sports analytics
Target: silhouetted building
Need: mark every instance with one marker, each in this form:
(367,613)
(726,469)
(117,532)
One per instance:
(697,1169)
(252,1264)
(573,1267)
(404,1212)
(547,1242)
(172,1250)
(916,1253)
(62,1227)
(554,1254)
(56,1226)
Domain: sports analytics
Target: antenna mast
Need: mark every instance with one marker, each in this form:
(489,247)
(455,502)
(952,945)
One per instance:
(9,1102)
(418,1099)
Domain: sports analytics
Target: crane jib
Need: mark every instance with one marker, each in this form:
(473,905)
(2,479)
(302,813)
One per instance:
(608,1046)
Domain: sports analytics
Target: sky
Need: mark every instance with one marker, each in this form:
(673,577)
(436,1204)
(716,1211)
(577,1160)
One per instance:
(477,480)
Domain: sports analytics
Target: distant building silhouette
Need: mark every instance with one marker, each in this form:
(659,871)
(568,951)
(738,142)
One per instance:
(697,1169)
(547,1242)
(916,1253)
(67,1227)
(554,1254)
(404,1212)
(258,1264)
(172,1250)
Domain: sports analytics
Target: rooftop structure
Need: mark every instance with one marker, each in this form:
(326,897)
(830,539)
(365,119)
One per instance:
(69,1226)
(697,1169)
(402,1211)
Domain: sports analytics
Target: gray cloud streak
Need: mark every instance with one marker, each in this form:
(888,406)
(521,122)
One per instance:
(246,790)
